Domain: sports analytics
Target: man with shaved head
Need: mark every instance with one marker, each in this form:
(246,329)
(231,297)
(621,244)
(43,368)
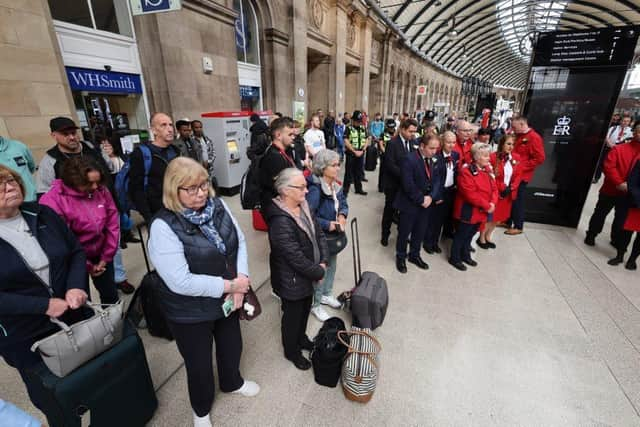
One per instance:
(148,164)
(464,141)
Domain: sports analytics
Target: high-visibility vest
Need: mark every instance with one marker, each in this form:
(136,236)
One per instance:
(357,137)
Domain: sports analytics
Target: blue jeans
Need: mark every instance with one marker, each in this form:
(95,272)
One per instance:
(120,273)
(325,287)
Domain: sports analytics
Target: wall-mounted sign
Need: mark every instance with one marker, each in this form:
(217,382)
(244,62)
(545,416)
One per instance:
(422,90)
(141,7)
(103,81)
(300,92)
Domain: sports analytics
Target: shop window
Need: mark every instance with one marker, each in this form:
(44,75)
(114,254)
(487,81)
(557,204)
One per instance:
(246,29)
(105,15)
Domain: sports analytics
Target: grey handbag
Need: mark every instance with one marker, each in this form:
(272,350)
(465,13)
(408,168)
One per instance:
(74,345)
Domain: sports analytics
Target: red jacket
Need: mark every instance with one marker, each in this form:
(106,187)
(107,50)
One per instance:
(617,166)
(464,150)
(476,189)
(516,176)
(530,148)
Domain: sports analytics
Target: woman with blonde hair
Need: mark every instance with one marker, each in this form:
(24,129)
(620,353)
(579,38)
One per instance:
(200,253)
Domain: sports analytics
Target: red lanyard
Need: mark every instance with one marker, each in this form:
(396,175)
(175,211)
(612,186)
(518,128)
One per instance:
(289,159)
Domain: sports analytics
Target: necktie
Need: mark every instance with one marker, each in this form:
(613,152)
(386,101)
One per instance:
(449,161)
(620,134)
(427,162)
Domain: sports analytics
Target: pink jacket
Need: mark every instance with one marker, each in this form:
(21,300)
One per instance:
(94,220)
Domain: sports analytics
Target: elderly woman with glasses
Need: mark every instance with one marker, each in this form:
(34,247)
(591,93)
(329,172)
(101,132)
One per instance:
(475,201)
(42,276)
(508,173)
(200,253)
(329,205)
(298,260)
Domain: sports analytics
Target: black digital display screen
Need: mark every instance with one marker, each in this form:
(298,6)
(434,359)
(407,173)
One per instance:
(599,46)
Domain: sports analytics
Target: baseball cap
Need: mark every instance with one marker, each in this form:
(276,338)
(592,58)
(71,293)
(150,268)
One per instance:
(58,124)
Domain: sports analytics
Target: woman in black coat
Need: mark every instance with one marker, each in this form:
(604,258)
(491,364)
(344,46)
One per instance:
(298,260)
(43,275)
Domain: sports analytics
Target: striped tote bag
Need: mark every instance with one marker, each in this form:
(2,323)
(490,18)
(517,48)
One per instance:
(360,367)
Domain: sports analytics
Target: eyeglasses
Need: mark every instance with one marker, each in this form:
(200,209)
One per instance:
(466,130)
(335,165)
(298,187)
(5,181)
(193,190)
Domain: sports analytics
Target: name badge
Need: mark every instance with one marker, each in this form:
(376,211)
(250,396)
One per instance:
(20,161)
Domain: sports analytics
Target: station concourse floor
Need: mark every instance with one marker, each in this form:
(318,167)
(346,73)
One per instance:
(542,333)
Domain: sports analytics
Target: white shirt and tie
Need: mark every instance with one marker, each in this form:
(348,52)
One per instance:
(449,180)
(618,134)
(507,171)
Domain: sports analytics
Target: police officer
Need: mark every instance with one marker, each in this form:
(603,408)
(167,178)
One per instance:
(356,141)
(387,134)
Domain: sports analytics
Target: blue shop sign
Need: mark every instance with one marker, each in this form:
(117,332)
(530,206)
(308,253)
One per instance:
(103,81)
(249,92)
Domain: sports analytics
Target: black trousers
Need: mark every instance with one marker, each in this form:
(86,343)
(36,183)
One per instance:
(195,343)
(603,207)
(295,315)
(414,224)
(381,174)
(461,246)
(353,172)
(106,285)
(517,208)
(622,243)
(440,219)
(389,211)
(22,358)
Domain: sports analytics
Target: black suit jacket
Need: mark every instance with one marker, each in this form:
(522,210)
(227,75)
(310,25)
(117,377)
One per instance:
(416,183)
(395,152)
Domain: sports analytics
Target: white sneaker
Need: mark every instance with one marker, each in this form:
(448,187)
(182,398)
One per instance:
(331,301)
(201,421)
(248,389)
(320,314)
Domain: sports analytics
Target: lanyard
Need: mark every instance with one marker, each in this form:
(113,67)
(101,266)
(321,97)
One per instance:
(289,159)
(427,165)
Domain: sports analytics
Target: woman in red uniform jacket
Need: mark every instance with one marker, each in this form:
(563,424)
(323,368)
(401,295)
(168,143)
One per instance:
(632,221)
(508,174)
(476,199)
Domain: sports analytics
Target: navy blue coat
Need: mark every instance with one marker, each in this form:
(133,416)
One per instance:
(24,298)
(440,169)
(416,184)
(322,205)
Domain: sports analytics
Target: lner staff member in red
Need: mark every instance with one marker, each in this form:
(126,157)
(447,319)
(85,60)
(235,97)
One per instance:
(475,202)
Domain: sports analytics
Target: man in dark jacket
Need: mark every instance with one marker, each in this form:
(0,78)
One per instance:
(147,197)
(65,133)
(397,148)
(259,135)
(421,187)
(186,143)
(279,156)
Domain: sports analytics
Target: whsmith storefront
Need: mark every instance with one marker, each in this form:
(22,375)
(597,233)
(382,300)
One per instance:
(101,59)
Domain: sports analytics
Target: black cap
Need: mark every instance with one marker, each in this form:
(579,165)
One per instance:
(390,123)
(357,116)
(58,124)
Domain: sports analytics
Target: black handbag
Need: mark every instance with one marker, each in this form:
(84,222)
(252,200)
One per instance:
(336,241)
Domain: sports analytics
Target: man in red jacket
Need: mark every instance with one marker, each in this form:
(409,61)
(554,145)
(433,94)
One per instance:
(464,141)
(613,192)
(530,148)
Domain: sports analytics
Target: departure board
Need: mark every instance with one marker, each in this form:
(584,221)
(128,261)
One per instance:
(593,47)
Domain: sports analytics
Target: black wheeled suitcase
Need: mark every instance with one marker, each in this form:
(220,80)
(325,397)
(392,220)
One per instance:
(113,389)
(145,302)
(370,297)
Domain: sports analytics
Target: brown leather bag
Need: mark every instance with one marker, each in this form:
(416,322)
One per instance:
(250,298)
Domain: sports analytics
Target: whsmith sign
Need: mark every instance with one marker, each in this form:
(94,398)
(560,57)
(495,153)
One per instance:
(103,81)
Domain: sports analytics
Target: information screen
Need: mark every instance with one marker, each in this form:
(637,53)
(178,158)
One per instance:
(602,46)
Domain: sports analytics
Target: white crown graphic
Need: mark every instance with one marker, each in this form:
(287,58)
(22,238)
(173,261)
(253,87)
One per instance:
(564,120)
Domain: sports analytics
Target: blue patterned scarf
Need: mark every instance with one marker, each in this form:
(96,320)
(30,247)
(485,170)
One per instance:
(204,220)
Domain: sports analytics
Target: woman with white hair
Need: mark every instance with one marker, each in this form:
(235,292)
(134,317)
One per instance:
(328,204)
(475,202)
(298,260)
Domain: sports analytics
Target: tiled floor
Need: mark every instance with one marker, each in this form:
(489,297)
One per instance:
(542,333)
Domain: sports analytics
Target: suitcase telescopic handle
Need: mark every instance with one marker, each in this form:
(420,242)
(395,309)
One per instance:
(144,248)
(355,247)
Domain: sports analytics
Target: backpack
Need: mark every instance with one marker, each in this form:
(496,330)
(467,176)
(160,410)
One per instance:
(122,179)
(250,184)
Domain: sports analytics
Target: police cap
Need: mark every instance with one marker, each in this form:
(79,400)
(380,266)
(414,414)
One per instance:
(357,116)
(390,123)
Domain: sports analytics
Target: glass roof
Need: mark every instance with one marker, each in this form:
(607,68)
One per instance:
(519,20)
